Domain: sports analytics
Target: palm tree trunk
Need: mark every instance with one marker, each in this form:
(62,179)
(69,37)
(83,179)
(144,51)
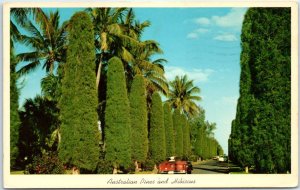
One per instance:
(115,170)
(98,74)
(155,169)
(136,166)
(246,169)
(75,170)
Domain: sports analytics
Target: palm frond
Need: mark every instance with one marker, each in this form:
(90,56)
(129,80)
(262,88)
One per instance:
(126,55)
(28,68)
(30,56)
(15,34)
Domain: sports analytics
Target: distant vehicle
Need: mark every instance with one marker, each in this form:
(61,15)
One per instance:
(174,165)
(223,158)
(216,158)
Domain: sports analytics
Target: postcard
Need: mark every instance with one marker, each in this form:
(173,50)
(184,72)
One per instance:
(150,94)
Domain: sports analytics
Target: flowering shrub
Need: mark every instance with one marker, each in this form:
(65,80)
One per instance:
(45,164)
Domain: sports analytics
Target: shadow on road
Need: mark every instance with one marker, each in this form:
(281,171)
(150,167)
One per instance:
(219,170)
(217,167)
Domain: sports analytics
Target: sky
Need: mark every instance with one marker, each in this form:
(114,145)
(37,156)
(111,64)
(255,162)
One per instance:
(203,43)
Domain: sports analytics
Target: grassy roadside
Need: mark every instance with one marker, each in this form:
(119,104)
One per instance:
(241,172)
(20,172)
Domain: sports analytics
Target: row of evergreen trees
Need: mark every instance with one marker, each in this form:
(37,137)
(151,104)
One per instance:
(261,132)
(134,135)
(203,143)
(137,127)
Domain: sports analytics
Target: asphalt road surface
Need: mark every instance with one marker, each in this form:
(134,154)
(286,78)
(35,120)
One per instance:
(211,167)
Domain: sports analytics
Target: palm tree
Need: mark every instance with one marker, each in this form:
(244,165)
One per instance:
(133,27)
(110,39)
(48,42)
(50,85)
(151,70)
(39,117)
(183,95)
(18,17)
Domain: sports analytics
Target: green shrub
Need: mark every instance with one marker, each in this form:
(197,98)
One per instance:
(45,164)
(193,158)
(104,167)
(130,169)
(148,165)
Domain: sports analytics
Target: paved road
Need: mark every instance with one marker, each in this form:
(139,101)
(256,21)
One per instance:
(210,167)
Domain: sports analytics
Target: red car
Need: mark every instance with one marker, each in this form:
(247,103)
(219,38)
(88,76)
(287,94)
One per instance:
(176,166)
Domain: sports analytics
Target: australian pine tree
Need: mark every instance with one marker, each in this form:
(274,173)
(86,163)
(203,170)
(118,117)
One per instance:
(169,130)
(220,150)
(261,131)
(178,134)
(186,137)
(79,145)
(157,143)
(195,123)
(199,143)
(117,129)
(14,114)
(139,120)
(271,73)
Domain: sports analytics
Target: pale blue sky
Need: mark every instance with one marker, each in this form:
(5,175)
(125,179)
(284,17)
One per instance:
(203,43)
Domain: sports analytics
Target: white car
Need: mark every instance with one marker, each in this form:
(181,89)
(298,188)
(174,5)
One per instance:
(221,159)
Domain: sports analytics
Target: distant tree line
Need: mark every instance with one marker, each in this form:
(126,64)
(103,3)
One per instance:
(261,132)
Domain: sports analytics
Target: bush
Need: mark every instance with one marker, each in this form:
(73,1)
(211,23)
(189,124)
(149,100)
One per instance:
(194,158)
(45,164)
(129,169)
(104,167)
(148,165)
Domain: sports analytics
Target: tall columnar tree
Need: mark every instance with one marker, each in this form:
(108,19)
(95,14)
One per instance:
(117,116)
(220,150)
(185,136)
(199,143)
(261,130)
(157,143)
(188,136)
(169,130)
(178,134)
(139,120)
(195,124)
(14,115)
(79,133)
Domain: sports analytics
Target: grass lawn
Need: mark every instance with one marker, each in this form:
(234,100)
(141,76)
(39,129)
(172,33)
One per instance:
(68,171)
(144,172)
(241,172)
(20,172)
